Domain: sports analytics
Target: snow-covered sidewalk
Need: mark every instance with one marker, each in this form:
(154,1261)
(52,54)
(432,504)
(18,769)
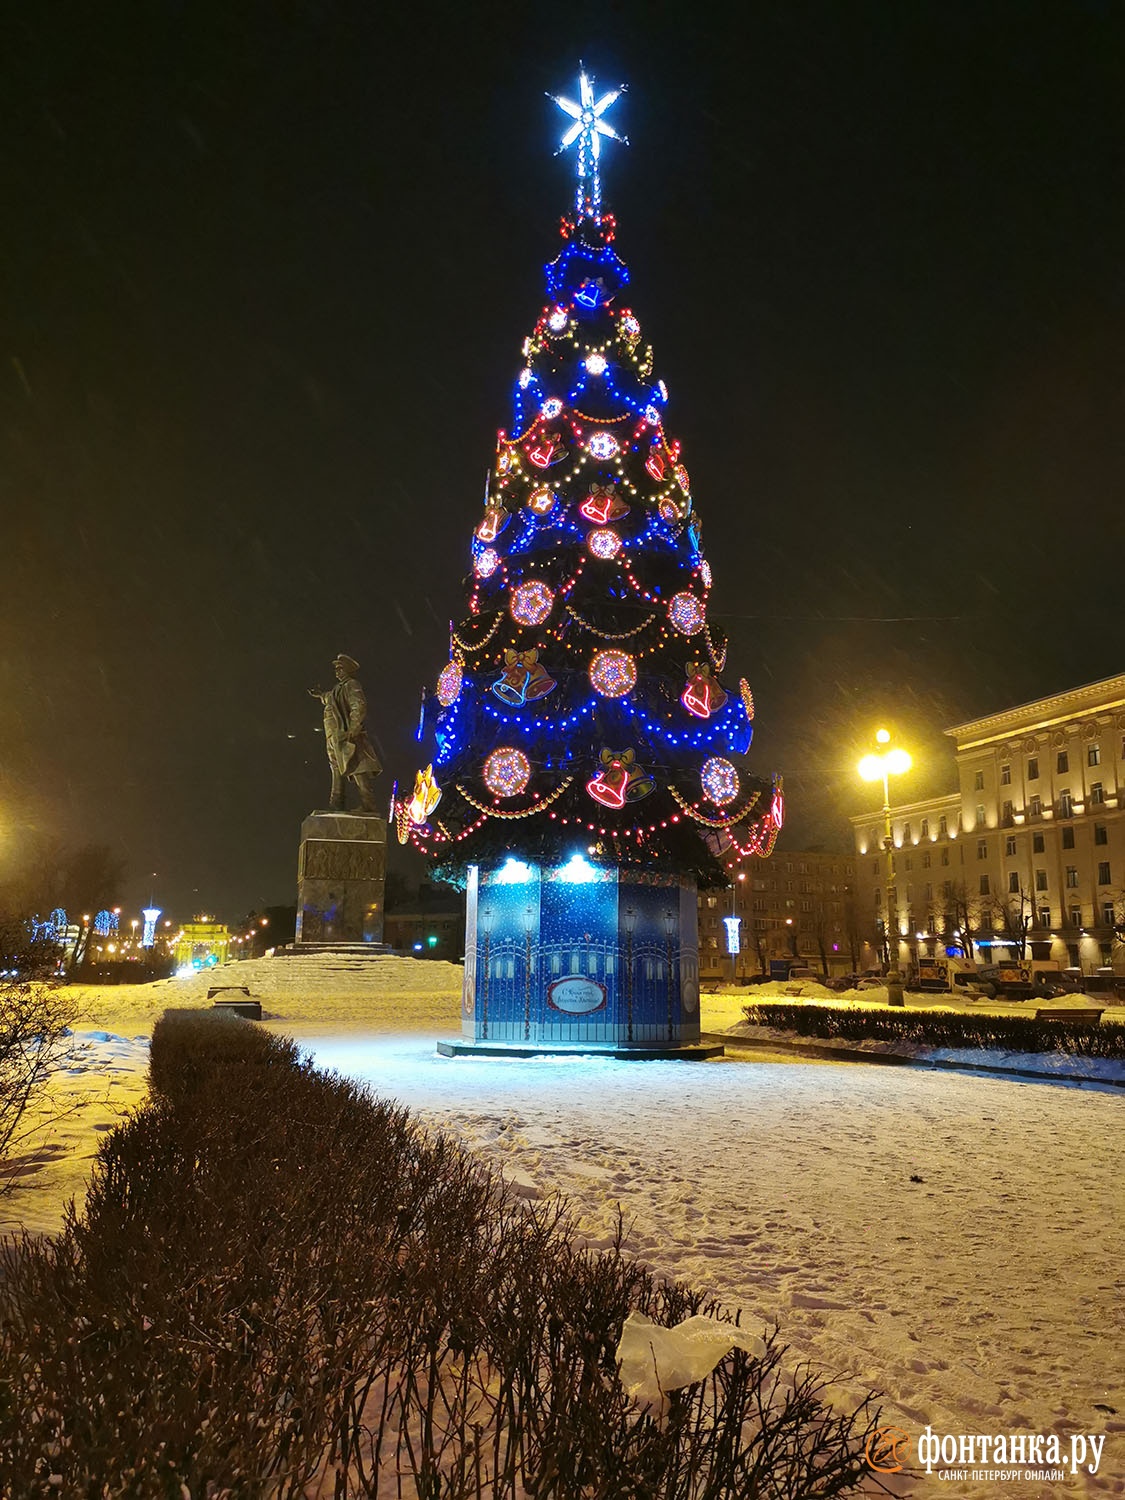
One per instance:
(951,1240)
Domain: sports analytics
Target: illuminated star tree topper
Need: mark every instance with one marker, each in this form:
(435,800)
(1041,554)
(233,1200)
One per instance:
(587,130)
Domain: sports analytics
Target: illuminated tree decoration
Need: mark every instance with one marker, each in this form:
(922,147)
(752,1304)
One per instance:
(655,465)
(105,922)
(703,696)
(595,364)
(542,501)
(652,416)
(507,772)
(630,327)
(603,445)
(425,797)
(670,510)
(705,572)
(449,683)
(495,520)
(747,698)
(545,451)
(719,780)
(552,408)
(613,673)
(682,479)
(686,614)
(777,807)
(531,603)
(523,680)
(485,563)
(557,319)
(150,916)
(524,378)
(619,779)
(604,544)
(603,504)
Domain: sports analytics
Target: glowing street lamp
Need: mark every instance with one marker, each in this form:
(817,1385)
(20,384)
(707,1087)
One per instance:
(892,762)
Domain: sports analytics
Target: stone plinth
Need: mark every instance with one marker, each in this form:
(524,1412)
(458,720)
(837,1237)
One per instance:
(582,956)
(341,872)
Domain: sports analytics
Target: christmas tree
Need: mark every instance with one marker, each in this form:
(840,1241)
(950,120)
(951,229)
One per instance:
(585,704)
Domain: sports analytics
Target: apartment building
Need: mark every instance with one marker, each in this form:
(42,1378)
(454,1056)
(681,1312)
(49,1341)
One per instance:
(792,905)
(1031,847)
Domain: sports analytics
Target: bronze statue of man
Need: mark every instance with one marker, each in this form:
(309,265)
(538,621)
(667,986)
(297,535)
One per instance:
(350,753)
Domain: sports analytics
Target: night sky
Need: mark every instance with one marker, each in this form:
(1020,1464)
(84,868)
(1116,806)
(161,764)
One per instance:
(266,271)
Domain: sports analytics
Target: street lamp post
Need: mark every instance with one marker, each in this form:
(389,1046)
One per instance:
(891,762)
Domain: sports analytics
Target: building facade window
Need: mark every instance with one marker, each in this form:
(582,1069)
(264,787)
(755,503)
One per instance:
(1068,838)
(1038,843)
(1044,916)
(1066,807)
(1033,768)
(1005,775)
(982,848)
(1072,877)
(1097,794)
(1035,805)
(1013,882)
(942,827)
(1103,872)
(984,887)
(1010,845)
(1109,915)
(1040,880)
(1062,762)
(1075,916)
(945,856)
(1007,813)
(926,860)
(1101,833)
(1093,755)
(924,831)
(978,782)
(980,815)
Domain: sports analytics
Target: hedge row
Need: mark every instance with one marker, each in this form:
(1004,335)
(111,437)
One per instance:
(944,1028)
(281,1286)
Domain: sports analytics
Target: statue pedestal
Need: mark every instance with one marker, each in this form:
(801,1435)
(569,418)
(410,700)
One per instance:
(341,872)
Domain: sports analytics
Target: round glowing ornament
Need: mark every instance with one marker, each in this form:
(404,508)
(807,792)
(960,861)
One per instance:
(685,613)
(719,780)
(485,563)
(652,416)
(558,319)
(449,683)
(630,326)
(604,544)
(682,479)
(507,772)
(595,364)
(551,408)
(531,603)
(604,445)
(613,673)
(542,501)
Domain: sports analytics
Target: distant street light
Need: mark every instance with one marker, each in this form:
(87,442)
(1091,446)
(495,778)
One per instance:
(882,767)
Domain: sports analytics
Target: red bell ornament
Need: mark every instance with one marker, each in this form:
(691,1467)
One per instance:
(703,696)
(603,504)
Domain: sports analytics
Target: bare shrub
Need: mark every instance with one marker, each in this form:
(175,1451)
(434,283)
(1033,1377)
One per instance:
(35,1040)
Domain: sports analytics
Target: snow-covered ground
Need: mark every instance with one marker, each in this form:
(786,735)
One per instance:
(952,1240)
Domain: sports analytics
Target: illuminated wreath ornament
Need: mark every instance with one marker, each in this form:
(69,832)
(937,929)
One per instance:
(719,780)
(507,772)
(685,613)
(531,603)
(425,797)
(523,679)
(620,779)
(613,673)
(449,683)
(703,696)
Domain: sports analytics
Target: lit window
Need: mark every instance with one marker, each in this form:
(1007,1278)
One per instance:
(1044,916)
(1108,915)
(1097,794)
(1007,812)
(906,833)
(925,830)
(980,815)
(978,782)
(942,827)
(1066,807)
(1005,775)
(1035,805)
(1076,916)
(982,848)
(1010,845)
(1072,877)
(1094,755)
